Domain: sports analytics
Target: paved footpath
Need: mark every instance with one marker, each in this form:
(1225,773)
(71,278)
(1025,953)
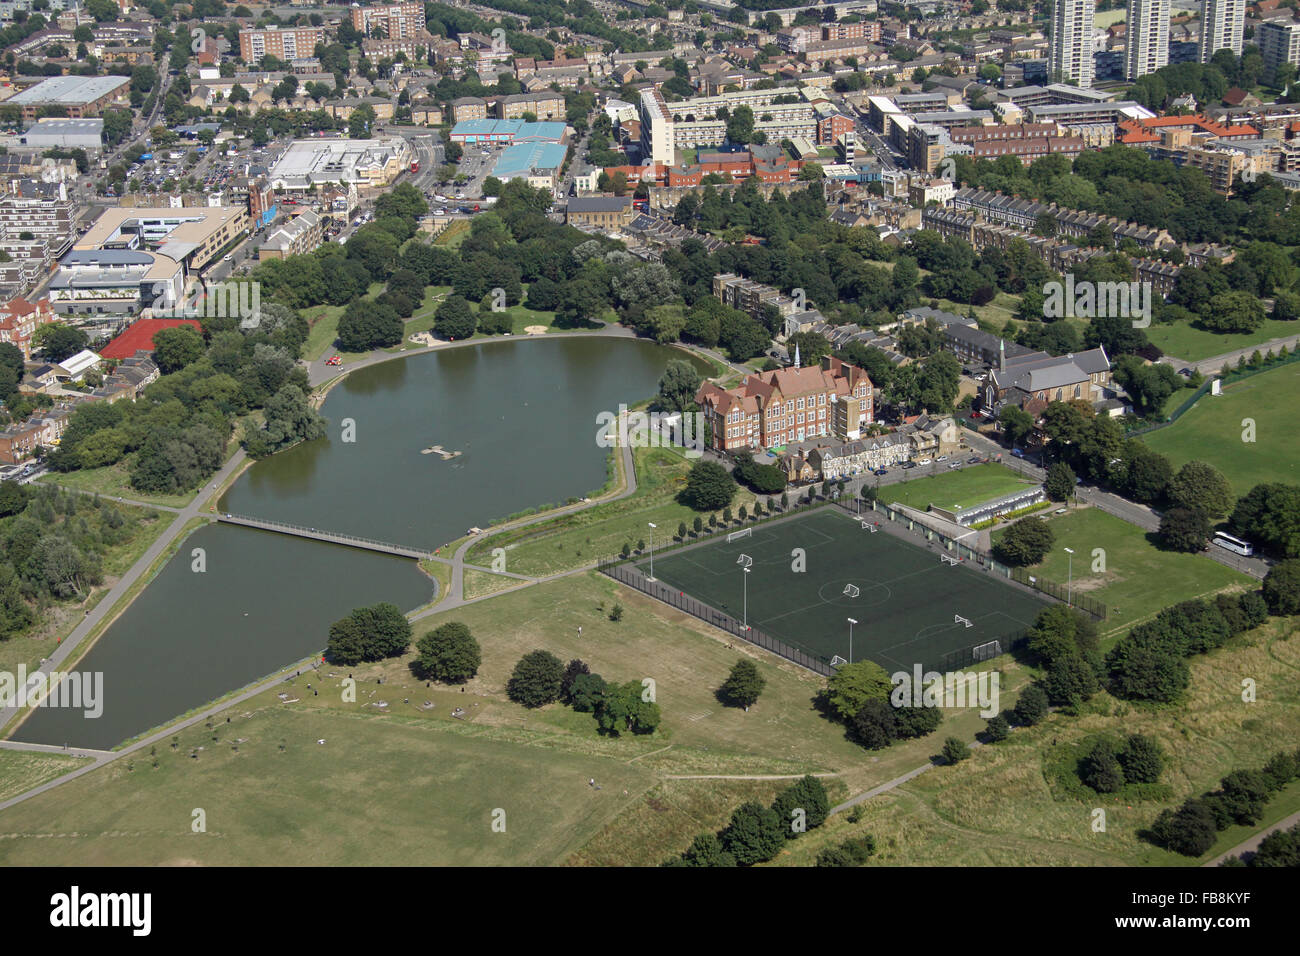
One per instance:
(1216,362)
(200,506)
(1251,845)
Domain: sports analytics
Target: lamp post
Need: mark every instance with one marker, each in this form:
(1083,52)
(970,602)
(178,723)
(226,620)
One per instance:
(1069,578)
(745,610)
(851,623)
(652,548)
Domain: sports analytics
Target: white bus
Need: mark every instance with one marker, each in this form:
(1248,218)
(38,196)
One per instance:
(1235,545)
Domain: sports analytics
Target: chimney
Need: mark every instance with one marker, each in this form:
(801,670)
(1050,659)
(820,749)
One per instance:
(1002,355)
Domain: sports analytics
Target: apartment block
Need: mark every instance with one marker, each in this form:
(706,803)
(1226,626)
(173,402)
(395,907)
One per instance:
(1223,22)
(1146,43)
(1279,42)
(290,43)
(1070,56)
(395,21)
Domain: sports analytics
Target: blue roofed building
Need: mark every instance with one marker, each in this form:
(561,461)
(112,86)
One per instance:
(539,164)
(508,132)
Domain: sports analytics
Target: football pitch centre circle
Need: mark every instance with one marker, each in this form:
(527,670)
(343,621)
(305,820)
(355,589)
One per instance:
(871,595)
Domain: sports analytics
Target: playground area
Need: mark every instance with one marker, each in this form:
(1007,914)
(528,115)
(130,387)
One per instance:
(801,579)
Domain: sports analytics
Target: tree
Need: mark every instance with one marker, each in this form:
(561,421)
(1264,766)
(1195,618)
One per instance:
(369,634)
(13,498)
(1233,312)
(1269,515)
(707,850)
(586,692)
(1189,830)
(1026,542)
(1199,486)
(807,795)
(853,685)
(367,324)
(449,653)
(998,728)
(1282,587)
(1182,529)
(58,342)
(853,852)
(454,319)
(1142,759)
(1060,481)
(625,707)
(708,486)
(677,386)
(743,685)
(1032,706)
(1017,424)
(536,679)
(955,750)
(1100,770)
(754,835)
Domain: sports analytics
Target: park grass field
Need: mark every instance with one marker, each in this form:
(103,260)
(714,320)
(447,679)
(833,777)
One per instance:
(1139,579)
(476,584)
(1185,341)
(1004,807)
(22,770)
(1212,431)
(965,486)
(579,539)
(111,481)
(905,607)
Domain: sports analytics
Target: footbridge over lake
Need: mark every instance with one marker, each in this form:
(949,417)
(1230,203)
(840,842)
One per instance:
(316,534)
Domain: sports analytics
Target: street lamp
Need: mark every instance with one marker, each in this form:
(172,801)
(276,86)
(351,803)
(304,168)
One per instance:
(1069,579)
(851,623)
(652,548)
(745,611)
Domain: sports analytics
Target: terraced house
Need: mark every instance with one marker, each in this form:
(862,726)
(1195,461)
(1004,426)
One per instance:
(772,409)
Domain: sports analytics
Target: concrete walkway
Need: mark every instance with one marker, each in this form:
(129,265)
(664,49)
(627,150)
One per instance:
(1216,362)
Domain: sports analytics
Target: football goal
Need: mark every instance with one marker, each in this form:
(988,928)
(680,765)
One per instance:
(949,559)
(744,560)
(742,533)
(851,590)
(986,652)
(869,526)
(958,619)
(838,661)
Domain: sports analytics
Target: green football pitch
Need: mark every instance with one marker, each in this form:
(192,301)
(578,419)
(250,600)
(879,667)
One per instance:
(906,603)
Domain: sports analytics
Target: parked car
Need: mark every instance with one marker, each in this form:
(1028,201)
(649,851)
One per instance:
(954,464)
(882,471)
(334,360)
(1017,453)
(924,461)
(973,460)
(942,458)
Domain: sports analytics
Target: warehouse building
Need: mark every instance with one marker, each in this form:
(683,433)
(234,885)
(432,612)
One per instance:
(64,134)
(80,96)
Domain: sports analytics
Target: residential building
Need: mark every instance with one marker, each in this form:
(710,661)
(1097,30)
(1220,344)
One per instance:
(1071,51)
(1146,42)
(1223,23)
(1278,41)
(298,236)
(394,21)
(18,321)
(283,43)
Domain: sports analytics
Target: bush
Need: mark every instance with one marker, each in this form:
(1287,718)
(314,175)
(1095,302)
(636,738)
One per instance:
(853,852)
(1282,587)
(808,795)
(1189,830)
(954,750)
(998,728)
(536,680)
(1100,769)
(1031,707)
(1142,759)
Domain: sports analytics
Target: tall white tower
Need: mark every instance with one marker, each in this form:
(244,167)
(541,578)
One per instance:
(1071,53)
(1147,38)
(1222,24)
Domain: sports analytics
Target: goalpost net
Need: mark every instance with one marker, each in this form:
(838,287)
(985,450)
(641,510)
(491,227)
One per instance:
(744,560)
(958,619)
(949,559)
(837,661)
(737,535)
(851,590)
(869,526)
(986,652)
